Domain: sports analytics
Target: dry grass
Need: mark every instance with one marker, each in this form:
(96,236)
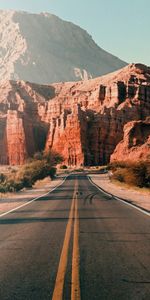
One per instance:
(132,174)
(5,195)
(143,190)
(41,183)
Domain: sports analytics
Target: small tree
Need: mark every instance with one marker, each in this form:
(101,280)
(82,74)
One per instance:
(2,177)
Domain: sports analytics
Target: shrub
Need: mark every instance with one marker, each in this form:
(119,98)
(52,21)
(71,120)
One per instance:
(119,175)
(2,188)
(142,173)
(39,167)
(137,174)
(33,171)
(116,165)
(79,170)
(38,156)
(52,172)
(63,167)
(2,177)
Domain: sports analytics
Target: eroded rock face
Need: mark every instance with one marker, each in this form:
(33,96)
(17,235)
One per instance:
(66,136)
(82,120)
(22,131)
(15,136)
(135,145)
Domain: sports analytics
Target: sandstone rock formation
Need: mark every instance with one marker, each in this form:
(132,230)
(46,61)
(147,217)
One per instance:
(135,145)
(43,49)
(82,120)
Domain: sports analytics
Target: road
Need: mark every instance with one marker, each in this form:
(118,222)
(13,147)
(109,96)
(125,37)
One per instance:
(75,243)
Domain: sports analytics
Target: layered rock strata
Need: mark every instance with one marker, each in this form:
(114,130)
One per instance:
(82,120)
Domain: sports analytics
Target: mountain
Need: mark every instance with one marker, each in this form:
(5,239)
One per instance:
(42,48)
(84,121)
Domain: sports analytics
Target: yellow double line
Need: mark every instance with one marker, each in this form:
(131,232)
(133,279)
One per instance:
(60,278)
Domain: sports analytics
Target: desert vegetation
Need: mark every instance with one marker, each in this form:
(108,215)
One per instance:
(134,174)
(40,166)
(63,167)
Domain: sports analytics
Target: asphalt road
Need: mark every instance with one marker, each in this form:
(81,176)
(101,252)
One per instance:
(75,243)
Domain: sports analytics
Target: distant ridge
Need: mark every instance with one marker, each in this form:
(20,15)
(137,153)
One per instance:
(42,48)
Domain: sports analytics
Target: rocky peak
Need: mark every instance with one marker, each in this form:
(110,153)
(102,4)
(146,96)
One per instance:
(42,48)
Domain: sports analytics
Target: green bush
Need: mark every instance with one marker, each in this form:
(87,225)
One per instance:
(2,188)
(52,172)
(63,167)
(32,172)
(2,177)
(53,158)
(39,167)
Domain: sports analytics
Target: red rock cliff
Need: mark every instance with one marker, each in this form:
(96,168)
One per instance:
(83,120)
(135,145)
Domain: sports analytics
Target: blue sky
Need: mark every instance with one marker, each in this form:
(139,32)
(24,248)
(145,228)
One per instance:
(119,26)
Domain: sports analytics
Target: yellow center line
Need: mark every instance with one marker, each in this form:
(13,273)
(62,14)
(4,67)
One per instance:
(75,288)
(60,278)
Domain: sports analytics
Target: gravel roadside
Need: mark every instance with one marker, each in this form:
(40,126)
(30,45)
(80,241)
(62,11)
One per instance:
(13,200)
(134,196)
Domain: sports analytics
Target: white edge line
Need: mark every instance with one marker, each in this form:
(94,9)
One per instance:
(130,204)
(107,194)
(121,200)
(30,201)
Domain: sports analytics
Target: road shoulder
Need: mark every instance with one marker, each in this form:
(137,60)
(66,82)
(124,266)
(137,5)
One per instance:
(13,200)
(133,196)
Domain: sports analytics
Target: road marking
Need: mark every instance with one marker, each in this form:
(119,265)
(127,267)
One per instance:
(136,207)
(60,278)
(75,287)
(119,199)
(29,202)
(101,190)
